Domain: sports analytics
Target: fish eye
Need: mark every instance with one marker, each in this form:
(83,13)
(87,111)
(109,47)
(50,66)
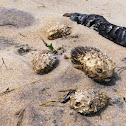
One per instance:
(91,104)
(99,70)
(78,104)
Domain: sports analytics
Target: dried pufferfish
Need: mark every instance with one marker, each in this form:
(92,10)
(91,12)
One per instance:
(58,31)
(93,62)
(44,62)
(89,101)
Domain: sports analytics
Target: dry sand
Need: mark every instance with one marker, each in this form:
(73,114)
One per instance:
(32,90)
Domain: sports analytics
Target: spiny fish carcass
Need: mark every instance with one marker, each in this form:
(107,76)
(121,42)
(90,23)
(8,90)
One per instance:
(88,101)
(44,62)
(58,31)
(93,62)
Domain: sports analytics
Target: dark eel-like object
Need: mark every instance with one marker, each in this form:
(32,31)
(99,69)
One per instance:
(115,33)
(67,98)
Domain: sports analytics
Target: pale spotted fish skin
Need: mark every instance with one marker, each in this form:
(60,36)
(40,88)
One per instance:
(89,101)
(58,31)
(93,62)
(115,33)
(44,62)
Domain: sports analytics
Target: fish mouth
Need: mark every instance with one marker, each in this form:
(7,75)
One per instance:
(67,14)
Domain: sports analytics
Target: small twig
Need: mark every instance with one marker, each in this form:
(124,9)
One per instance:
(48,103)
(21,115)
(121,69)
(45,43)
(8,24)
(49,46)
(22,35)
(3,63)
(7,91)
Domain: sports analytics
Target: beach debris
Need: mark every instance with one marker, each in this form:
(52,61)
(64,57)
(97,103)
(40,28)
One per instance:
(24,49)
(58,51)
(108,30)
(124,60)
(20,117)
(44,62)
(124,99)
(93,62)
(3,63)
(121,69)
(20,114)
(117,101)
(86,102)
(50,47)
(89,101)
(48,103)
(7,91)
(67,98)
(61,50)
(58,31)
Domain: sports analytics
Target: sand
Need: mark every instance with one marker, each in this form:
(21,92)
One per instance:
(27,23)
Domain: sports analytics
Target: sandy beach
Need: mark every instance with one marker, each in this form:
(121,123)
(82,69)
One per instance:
(22,91)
